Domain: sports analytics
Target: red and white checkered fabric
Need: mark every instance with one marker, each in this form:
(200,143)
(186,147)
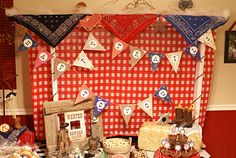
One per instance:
(115,81)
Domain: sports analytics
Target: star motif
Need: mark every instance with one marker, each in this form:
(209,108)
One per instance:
(159,26)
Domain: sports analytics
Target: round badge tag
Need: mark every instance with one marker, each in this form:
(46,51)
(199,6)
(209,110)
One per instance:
(177,147)
(186,146)
(61,67)
(119,46)
(155,59)
(27,43)
(100,105)
(174,58)
(136,54)
(164,141)
(43,56)
(147,105)
(93,43)
(193,50)
(191,144)
(162,93)
(167,145)
(127,111)
(84,93)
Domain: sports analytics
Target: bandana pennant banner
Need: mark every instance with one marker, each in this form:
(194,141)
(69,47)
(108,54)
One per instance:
(42,57)
(93,44)
(174,59)
(27,43)
(99,105)
(207,39)
(147,106)
(118,47)
(83,61)
(194,51)
(162,93)
(127,111)
(84,94)
(136,55)
(60,66)
(155,59)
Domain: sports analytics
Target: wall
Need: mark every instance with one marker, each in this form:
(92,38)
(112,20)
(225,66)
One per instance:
(222,92)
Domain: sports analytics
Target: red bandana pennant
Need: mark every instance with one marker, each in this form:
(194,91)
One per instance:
(126,27)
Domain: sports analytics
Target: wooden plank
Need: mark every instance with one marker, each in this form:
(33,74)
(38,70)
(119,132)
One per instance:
(51,129)
(198,83)
(97,127)
(67,106)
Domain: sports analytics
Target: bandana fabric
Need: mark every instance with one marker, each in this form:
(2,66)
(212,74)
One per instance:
(162,93)
(194,51)
(51,28)
(125,27)
(99,105)
(192,27)
(27,43)
(155,59)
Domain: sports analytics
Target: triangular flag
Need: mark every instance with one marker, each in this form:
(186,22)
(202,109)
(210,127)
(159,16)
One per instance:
(27,43)
(162,93)
(83,61)
(118,47)
(207,39)
(127,111)
(42,57)
(99,105)
(146,105)
(60,66)
(93,44)
(84,94)
(174,59)
(136,54)
(194,51)
(155,59)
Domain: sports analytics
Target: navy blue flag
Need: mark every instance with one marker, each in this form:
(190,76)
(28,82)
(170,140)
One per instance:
(99,105)
(155,59)
(192,27)
(51,28)
(162,93)
(194,51)
(27,43)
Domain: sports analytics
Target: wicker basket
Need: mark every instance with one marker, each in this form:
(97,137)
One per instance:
(113,146)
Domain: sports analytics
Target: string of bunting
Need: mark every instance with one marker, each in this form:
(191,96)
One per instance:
(136,54)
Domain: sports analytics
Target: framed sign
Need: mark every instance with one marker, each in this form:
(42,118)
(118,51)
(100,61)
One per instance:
(230,47)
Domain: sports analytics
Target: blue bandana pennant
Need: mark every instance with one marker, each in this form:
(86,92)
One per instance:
(162,93)
(194,51)
(192,27)
(27,43)
(155,59)
(99,105)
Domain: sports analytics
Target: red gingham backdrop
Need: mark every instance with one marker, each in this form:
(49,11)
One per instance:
(115,81)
